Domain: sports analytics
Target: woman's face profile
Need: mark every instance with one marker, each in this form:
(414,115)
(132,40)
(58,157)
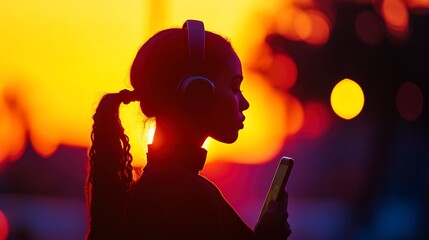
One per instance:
(226,116)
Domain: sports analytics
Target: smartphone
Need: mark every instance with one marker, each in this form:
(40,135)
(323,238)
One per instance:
(278,183)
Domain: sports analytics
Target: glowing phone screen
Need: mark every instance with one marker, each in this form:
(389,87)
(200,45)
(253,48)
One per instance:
(279,182)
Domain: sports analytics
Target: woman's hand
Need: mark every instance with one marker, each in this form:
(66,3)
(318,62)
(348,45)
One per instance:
(273,224)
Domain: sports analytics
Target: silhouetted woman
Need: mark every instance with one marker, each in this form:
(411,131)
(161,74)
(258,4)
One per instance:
(188,80)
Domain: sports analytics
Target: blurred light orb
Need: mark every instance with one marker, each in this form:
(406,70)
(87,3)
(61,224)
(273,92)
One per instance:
(409,101)
(282,71)
(321,28)
(369,28)
(418,4)
(347,99)
(4,226)
(396,14)
(316,119)
(294,113)
(303,25)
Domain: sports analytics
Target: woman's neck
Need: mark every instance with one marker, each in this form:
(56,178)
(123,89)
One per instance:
(172,135)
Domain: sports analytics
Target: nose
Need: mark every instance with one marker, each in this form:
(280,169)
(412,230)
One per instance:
(244,104)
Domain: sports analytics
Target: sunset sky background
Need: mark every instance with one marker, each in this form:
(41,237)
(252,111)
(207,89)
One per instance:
(340,86)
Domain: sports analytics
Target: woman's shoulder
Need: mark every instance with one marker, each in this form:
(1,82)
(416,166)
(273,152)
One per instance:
(176,194)
(175,182)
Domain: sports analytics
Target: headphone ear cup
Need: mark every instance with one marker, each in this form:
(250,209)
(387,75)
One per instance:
(197,94)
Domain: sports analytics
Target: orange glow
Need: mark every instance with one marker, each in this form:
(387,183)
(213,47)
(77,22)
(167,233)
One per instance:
(261,60)
(303,25)
(316,121)
(294,115)
(12,121)
(309,26)
(395,13)
(4,226)
(418,3)
(320,28)
(284,22)
(139,130)
(409,101)
(282,71)
(67,55)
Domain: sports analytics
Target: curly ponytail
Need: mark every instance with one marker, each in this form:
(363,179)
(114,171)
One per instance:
(110,177)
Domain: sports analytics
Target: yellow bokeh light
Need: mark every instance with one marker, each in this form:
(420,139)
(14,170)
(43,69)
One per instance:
(347,99)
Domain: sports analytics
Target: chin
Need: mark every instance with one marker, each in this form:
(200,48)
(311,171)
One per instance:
(227,138)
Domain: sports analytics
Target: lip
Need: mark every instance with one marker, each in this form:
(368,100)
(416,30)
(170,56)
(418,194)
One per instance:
(241,123)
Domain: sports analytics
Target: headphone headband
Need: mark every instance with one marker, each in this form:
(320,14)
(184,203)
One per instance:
(196,45)
(196,92)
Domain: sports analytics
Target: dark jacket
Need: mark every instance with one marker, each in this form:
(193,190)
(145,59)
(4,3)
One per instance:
(171,201)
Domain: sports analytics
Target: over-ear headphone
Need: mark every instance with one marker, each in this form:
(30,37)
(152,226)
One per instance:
(196,92)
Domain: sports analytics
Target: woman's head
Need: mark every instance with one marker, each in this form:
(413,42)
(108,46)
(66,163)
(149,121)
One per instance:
(163,61)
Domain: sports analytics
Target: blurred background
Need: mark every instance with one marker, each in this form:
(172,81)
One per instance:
(339,85)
